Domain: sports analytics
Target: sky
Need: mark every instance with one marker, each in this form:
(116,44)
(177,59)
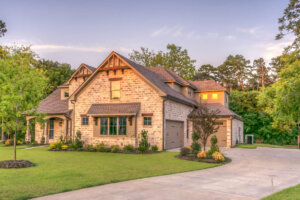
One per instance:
(86,31)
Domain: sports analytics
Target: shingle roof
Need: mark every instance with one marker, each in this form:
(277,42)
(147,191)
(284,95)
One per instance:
(208,85)
(53,104)
(90,67)
(158,82)
(114,108)
(170,76)
(222,110)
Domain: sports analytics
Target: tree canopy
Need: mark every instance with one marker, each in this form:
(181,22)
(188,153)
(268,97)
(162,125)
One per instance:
(175,59)
(21,88)
(3,29)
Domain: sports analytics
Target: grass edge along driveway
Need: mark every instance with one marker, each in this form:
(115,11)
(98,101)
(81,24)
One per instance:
(292,193)
(254,146)
(57,172)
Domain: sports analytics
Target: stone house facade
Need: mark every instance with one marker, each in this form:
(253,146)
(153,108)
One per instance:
(114,102)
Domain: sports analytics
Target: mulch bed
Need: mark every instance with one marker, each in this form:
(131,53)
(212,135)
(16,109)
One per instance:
(205,160)
(9,164)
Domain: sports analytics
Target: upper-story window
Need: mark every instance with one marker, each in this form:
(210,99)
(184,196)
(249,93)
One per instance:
(204,96)
(66,94)
(115,89)
(215,96)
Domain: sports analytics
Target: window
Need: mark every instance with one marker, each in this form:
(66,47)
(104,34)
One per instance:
(51,129)
(115,89)
(147,121)
(204,96)
(104,125)
(215,96)
(85,121)
(113,126)
(66,94)
(190,92)
(122,125)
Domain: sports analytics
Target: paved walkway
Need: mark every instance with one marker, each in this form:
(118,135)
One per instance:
(248,177)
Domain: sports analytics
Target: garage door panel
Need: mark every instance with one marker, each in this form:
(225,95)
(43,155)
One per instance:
(174,134)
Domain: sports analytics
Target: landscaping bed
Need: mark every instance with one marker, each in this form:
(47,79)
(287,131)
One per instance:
(191,157)
(8,164)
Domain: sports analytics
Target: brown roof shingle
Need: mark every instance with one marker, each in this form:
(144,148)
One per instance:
(208,85)
(114,108)
(222,110)
(53,104)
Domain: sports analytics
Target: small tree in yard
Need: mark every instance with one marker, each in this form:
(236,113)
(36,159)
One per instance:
(143,144)
(21,87)
(204,122)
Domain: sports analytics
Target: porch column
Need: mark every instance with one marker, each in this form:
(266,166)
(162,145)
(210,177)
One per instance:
(66,128)
(28,135)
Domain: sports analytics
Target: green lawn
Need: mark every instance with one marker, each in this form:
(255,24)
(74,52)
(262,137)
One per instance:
(292,193)
(64,171)
(254,146)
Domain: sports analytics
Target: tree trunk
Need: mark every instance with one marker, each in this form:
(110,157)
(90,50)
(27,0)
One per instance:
(15,143)
(2,131)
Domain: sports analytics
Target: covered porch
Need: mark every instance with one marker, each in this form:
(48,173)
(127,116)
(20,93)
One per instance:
(53,128)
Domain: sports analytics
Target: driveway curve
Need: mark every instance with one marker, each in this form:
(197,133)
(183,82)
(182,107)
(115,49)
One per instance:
(252,174)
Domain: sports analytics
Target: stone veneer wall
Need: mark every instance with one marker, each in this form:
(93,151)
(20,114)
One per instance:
(133,89)
(177,112)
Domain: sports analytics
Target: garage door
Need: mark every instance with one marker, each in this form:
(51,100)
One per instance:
(174,134)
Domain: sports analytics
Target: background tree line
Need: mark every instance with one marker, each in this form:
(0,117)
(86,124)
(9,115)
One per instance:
(267,96)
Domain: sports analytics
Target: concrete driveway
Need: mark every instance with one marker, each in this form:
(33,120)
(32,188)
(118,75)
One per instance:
(249,176)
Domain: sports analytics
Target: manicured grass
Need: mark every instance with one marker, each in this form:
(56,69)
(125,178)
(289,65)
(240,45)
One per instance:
(292,193)
(64,171)
(254,146)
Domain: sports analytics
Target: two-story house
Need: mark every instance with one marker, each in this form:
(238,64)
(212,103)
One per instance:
(114,102)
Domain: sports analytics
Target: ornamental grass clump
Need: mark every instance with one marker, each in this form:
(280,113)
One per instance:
(201,154)
(217,156)
(101,147)
(115,149)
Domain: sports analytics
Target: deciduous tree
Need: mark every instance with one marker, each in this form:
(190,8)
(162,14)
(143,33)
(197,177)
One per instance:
(204,122)
(21,88)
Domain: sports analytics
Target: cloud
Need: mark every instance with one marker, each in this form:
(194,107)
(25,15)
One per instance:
(47,48)
(229,37)
(174,31)
(251,31)
(276,47)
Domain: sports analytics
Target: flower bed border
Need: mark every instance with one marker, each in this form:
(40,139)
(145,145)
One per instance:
(205,160)
(123,152)
(12,164)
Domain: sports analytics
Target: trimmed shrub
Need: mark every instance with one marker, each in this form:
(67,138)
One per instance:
(154,148)
(64,147)
(214,147)
(72,146)
(217,156)
(196,147)
(52,146)
(185,151)
(115,149)
(201,154)
(19,142)
(101,147)
(7,143)
(78,141)
(143,144)
(90,148)
(128,148)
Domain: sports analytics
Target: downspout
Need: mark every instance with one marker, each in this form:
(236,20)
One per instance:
(135,130)
(163,124)
(231,132)
(73,123)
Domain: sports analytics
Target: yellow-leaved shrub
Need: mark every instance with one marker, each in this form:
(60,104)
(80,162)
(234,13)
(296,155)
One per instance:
(201,154)
(64,147)
(217,156)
